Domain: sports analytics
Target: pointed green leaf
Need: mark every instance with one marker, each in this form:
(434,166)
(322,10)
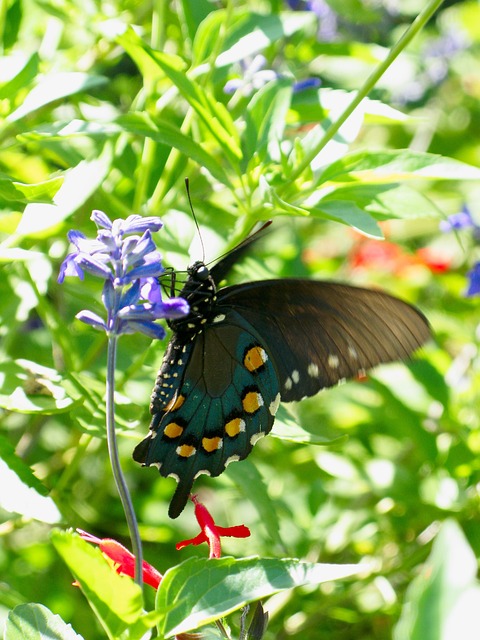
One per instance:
(348,213)
(443,601)
(116,600)
(36,622)
(161,131)
(266,118)
(248,479)
(200,590)
(392,166)
(55,87)
(213,113)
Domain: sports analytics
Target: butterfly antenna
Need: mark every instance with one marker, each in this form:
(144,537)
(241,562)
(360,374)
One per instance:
(187,187)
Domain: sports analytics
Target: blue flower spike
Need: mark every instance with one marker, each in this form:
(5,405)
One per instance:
(130,265)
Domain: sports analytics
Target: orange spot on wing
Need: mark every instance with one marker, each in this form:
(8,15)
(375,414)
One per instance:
(233,427)
(186,450)
(175,403)
(255,358)
(211,444)
(252,401)
(173,430)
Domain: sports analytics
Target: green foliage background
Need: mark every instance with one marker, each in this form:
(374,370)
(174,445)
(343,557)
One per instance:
(110,105)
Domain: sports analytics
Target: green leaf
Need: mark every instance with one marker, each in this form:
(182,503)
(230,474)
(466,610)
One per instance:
(14,191)
(55,87)
(392,166)
(386,201)
(258,31)
(21,468)
(248,479)
(164,132)
(265,118)
(443,601)
(28,387)
(348,213)
(287,427)
(116,600)
(22,72)
(36,622)
(78,185)
(22,496)
(200,590)
(214,114)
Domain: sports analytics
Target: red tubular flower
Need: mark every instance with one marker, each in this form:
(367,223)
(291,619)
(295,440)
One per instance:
(211,532)
(123,560)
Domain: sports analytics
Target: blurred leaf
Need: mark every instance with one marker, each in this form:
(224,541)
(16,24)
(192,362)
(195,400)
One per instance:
(248,479)
(18,192)
(199,590)
(287,428)
(377,167)
(21,498)
(27,387)
(20,468)
(116,600)
(55,87)
(386,201)
(34,621)
(443,602)
(161,131)
(257,31)
(24,71)
(213,114)
(265,120)
(78,185)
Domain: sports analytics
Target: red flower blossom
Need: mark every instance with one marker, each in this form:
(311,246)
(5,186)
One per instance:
(210,532)
(123,560)
(434,259)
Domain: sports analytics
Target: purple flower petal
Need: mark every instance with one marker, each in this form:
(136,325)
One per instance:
(151,329)
(94,266)
(174,308)
(101,219)
(151,290)
(461,220)
(139,224)
(92,319)
(151,265)
(474,281)
(69,267)
(308,83)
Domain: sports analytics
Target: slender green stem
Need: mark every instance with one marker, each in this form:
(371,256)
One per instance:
(122,487)
(416,26)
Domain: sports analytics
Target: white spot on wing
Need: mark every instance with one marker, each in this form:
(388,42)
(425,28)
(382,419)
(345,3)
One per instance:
(273,408)
(219,318)
(333,361)
(202,472)
(352,352)
(288,384)
(234,458)
(312,370)
(256,437)
(174,476)
(295,376)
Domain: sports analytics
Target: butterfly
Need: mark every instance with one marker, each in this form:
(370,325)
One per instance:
(245,348)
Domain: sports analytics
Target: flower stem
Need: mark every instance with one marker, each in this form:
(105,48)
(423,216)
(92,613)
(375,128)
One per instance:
(122,487)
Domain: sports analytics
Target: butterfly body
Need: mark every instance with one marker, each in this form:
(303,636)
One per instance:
(242,349)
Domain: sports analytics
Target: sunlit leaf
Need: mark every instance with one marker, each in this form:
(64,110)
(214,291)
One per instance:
(35,621)
(200,590)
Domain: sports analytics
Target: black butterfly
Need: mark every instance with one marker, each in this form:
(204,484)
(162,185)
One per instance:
(242,349)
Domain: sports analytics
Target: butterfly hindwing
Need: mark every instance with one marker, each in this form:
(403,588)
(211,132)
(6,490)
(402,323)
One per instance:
(227,396)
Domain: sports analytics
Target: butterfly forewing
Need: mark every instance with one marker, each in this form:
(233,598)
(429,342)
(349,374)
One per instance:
(320,333)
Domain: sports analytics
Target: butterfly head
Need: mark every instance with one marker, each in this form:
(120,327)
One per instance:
(199,271)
